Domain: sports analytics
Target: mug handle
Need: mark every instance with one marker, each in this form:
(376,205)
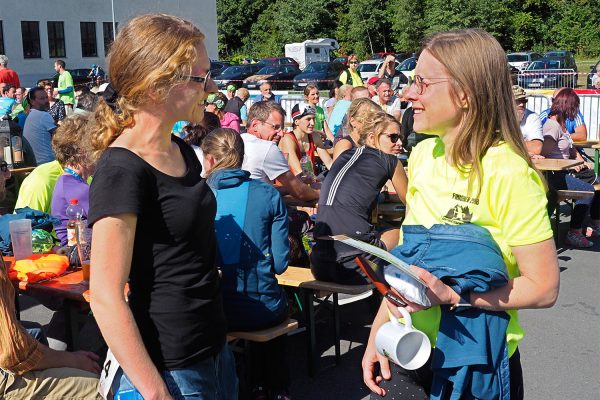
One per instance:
(406,316)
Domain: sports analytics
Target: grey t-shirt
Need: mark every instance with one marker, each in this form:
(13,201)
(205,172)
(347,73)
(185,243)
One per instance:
(37,135)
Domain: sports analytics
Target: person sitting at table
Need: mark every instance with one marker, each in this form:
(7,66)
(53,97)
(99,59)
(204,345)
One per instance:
(32,370)
(529,122)
(303,141)
(153,219)
(311,98)
(359,111)
(558,144)
(348,196)
(251,222)
(215,103)
(262,157)
(72,152)
(574,126)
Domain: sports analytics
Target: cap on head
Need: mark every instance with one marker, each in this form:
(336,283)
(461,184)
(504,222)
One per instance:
(301,111)
(519,93)
(372,80)
(231,88)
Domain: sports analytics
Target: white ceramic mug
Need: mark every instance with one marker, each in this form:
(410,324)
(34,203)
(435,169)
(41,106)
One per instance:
(403,344)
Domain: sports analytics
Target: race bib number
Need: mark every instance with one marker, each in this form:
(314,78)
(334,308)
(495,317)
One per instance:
(109,370)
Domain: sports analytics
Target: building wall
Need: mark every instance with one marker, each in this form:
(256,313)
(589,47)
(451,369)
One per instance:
(203,13)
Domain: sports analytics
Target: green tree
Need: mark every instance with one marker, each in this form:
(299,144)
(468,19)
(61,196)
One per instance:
(407,21)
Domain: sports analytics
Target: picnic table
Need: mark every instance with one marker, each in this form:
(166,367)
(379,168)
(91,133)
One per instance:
(591,144)
(555,164)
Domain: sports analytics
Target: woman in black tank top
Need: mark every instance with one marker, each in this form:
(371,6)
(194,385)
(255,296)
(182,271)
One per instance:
(358,112)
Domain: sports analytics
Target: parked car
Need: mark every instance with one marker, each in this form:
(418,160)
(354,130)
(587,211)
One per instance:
(272,61)
(235,75)
(370,68)
(593,70)
(279,76)
(216,67)
(342,60)
(548,73)
(323,74)
(79,75)
(407,66)
(561,54)
(522,60)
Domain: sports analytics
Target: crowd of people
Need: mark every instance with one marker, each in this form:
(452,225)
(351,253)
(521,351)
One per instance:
(187,207)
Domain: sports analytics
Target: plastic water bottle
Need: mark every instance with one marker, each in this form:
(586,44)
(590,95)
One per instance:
(75,214)
(307,168)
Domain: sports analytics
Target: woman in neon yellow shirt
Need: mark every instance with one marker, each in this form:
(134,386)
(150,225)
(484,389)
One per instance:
(351,76)
(479,164)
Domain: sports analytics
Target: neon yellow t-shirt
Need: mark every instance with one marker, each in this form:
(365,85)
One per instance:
(37,189)
(511,206)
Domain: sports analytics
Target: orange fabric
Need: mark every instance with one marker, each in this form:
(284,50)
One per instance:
(38,267)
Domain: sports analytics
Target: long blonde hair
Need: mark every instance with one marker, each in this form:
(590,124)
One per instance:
(149,55)
(361,110)
(226,146)
(477,64)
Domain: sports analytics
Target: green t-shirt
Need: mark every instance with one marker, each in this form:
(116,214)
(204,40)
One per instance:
(36,190)
(65,80)
(511,206)
(319,119)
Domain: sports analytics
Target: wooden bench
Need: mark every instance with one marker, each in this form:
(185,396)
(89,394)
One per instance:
(568,195)
(303,279)
(264,335)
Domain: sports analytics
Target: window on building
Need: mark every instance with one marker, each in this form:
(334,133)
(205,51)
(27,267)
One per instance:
(89,47)
(109,35)
(30,32)
(56,39)
(1,39)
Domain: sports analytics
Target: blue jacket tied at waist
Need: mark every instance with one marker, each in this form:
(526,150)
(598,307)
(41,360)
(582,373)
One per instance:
(251,226)
(470,360)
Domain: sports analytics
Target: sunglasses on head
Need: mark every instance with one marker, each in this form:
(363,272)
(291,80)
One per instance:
(394,137)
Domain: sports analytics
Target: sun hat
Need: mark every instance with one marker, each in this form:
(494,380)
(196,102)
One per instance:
(519,93)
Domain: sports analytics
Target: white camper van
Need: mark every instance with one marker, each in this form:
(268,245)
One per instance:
(311,50)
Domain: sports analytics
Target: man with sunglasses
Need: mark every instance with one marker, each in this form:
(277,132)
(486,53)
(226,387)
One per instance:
(262,157)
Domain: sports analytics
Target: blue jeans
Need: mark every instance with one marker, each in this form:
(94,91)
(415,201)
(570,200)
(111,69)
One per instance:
(211,379)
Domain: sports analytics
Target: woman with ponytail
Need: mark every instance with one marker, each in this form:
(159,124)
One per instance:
(252,247)
(169,337)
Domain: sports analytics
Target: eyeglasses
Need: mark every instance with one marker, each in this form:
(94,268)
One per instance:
(276,127)
(394,137)
(198,79)
(3,166)
(421,85)
(352,62)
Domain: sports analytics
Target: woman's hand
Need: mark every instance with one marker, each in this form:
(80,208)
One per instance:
(437,292)
(369,361)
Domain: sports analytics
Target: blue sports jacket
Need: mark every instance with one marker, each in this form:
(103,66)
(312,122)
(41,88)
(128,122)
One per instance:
(470,360)
(251,227)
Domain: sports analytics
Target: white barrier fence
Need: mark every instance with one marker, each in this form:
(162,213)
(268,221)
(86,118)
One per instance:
(547,79)
(589,106)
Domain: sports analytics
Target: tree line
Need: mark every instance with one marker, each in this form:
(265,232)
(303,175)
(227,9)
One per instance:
(261,28)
